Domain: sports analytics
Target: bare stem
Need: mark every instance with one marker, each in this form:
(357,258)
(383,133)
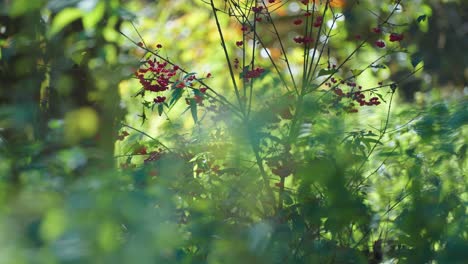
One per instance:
(228,60)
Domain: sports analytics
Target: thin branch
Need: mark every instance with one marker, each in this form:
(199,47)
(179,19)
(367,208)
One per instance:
(231,71)
(147,135)
(382,133)
(218,97)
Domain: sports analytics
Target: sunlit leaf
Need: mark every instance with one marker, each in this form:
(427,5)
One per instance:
(323,72)
(356,73)
(92,18)
(64,18)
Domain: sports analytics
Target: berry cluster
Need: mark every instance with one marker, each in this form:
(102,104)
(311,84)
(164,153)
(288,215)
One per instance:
(394,37)
(123,135)
(156,76)
(255,73)
(303,40)
(159,99)
(155,155)
(257,9)
(356,96)
(318,21)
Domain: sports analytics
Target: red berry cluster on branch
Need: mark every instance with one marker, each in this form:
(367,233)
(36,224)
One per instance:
(159,99)
(156,77)
(380,43)
(303,40)
(123,135)
(393,37)
(254,73)
(154,155)
(318,21)
(396,37)
(257,9)
(356,96)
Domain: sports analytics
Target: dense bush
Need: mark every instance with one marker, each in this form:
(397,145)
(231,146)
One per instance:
(293,148)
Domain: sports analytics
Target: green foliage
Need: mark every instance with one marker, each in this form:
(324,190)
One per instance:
(273,159)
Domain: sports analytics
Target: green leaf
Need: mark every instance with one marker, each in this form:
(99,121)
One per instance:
(381,97)
(125,14)
(160,109)
(54,224)
(389,154)
(356,72)
(147,104)
(371,140)
(64,18)
(193,110)
(197,92)
(323,72)
(189,74)
(461,154)
(176,94)
(378,66)
(92,18)
(416,58)
(421,18)
(287,198)
(56,5)
(459,118)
